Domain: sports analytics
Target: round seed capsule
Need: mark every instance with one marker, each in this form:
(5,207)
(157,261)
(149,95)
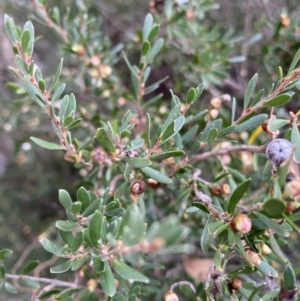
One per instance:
(278,150)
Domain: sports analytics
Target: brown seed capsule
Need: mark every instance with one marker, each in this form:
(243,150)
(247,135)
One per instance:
(216,190)
(241,223)
(253,257)
(138,187)
(236,284)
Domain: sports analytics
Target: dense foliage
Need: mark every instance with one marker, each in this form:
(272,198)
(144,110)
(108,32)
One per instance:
(183,190)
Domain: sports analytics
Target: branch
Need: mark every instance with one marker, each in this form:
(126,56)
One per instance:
(45,280)
(225,151)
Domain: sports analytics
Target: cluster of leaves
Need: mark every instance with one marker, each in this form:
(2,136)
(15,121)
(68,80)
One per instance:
(143,170)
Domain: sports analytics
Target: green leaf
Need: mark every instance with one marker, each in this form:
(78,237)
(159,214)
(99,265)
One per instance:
(10,28)
(227,131)
(257,97)
(294,62)
(172,129)
(167,154)
(57,75)
(279,100)
(25,40)
(205,237)
(271,295)
(253,295)
(148,130)
(63,107)
(107,280)
(233,109)
(21,64)
(30,266)
(51,247)
(65,199)
(271,224)
(42,86)
(10,288)
(249,90)
(104,140)
(2,272)
(154,50)
(199,91)
(274,208)
(28,26)
(201,207)
(71,108)
(267,269)
(295,140)
(125,121)
(247,294)
(97,264)
(216,124)
(78,263)
(66,293)
(91,208)
(132,228)
(192,209)
(237,195)
(46,144)
(67,121)
(154,32)
(66,225)
(67,237)
(277,124)
(156,175)
(147,27)
(128,273)
(95,227)
(133,72)
(135,143)
(145,48)
(61,268)
(289,278)
(58,92)
(172,116)
(49,293)
(251,123)
(137,162)
(190,97)
(77,242)
(4,253)
(84,197)
(74,124)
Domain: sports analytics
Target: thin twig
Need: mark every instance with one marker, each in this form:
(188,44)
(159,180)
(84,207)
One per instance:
(44,280)
(181,283)
(225,151)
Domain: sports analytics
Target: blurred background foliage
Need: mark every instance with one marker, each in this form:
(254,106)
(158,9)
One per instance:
(221,43)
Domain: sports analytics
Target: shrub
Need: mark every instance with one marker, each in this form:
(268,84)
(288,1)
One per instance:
(162,178)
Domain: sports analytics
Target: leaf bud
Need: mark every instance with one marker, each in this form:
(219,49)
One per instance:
(253,257)
(241,223)
(292,191)
(170,296)
(265,249)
